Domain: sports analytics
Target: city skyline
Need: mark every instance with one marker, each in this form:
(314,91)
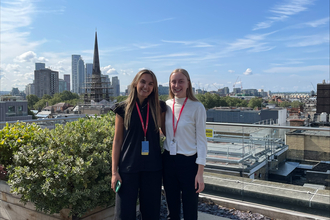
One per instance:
(280,46)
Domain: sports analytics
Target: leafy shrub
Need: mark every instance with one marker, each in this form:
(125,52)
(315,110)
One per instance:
(14,136)
(71,169)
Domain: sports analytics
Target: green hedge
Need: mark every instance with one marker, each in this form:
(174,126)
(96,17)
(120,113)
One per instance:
(67,167)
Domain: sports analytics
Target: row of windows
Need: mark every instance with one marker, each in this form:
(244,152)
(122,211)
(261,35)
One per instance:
(15,111)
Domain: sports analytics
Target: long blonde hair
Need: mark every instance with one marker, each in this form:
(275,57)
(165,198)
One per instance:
(189,92)
(153,99)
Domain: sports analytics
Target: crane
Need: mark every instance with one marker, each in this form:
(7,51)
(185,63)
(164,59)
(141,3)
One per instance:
(214,84)
(235,82)
(313,86)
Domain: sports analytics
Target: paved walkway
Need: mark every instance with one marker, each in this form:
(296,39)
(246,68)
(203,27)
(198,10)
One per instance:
(205,216)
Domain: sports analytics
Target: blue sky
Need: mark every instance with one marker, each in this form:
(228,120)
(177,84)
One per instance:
(272,45)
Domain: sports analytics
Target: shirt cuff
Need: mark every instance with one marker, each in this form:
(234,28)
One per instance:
(201,161)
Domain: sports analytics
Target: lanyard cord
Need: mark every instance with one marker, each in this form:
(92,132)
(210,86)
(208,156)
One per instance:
(176,126)
(141,119)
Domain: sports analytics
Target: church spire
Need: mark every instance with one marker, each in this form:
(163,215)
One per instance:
(96,62)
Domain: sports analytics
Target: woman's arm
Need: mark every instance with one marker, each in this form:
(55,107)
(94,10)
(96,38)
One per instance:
(199,179)
(200,120)
(116,147)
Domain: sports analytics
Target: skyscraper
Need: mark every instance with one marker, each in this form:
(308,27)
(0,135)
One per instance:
(45,82)
(74,68)
(323,100)
(67,80)
(88,69)
(40,66)
(81,75)
(115,86)
(61,85)
(29,89)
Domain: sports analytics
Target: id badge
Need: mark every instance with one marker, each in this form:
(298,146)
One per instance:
(145,148)
(173,148)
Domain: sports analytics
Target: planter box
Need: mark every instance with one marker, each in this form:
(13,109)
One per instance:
(12,208)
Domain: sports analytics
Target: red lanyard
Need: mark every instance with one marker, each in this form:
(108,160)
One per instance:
(176,126)
(141,119)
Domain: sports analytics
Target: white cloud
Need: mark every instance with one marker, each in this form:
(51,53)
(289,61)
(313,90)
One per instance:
(109,70)
(231,71)
(16,16)
(318,22)
(318,68)
(283,11)
(311,40)
(292,7)
(29,56)
(171,55)
(248,71)
(145,45)
(263,25)
(127,72)
(190,43)
(252,42)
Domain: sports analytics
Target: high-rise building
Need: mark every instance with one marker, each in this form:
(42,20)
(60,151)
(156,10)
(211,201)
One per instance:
(323,98)
(67,80)
(251,92)
(88,70)
(40,66)
(61,85)
(115,86)
(45,82)
(88,75)
(29,89)
(74,68)
(128,90)
(226,90)
(237,90)
(81,75)
(14,91)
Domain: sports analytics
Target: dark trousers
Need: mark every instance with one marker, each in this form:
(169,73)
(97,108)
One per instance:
(146,186)
(179,174)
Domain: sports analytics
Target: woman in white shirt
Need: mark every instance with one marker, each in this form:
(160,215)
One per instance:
(184,157)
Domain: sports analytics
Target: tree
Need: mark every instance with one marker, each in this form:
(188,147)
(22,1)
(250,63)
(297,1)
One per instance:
(31,113)
(32,100)
(67,95)
(296,104)
(272,102)
(40,104)
(255,102)
(46,96)
(284,104)
(164,97)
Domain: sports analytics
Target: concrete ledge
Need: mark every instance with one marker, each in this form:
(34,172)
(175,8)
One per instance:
(12,208)
(272,212)
(268,191)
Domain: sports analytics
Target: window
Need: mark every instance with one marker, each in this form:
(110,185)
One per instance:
(11,109)
(20,110)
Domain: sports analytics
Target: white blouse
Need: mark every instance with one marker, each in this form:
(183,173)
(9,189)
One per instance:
(190,135)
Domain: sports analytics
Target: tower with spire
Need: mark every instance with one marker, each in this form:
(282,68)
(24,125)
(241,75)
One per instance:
(97,88)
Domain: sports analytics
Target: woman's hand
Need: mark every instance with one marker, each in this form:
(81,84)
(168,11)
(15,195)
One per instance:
(199,182)
(114,178)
